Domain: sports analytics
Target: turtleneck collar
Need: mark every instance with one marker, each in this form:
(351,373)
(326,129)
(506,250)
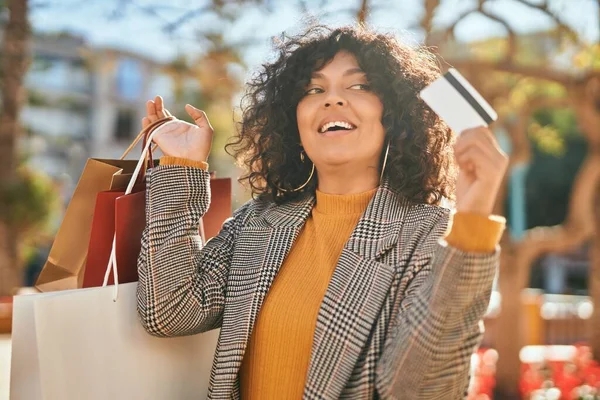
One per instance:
(339,204)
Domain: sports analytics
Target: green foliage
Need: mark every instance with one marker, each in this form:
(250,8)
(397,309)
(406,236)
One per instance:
(548,139)
(550,130)
(551,174)
(27,203)
(36,99)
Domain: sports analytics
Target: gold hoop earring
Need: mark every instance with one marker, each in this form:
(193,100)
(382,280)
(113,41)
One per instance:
(387,150)
(312,172)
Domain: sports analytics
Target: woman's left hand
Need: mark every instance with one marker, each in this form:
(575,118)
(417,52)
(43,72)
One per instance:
(482,165)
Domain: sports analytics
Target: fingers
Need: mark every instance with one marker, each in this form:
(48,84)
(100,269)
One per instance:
(477,151)
(159,106)
(473,160)
(151,111)
(483,134)
(155,110)
(479,143)
(199,116)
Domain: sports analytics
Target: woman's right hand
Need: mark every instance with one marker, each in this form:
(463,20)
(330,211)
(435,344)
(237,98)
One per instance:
(179,138)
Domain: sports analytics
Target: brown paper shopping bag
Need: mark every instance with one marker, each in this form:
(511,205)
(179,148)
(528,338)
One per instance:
(65,266)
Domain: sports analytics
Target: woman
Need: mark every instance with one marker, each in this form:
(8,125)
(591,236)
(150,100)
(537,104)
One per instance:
(338,279)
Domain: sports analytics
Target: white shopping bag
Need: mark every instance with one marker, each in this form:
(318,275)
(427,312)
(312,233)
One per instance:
(88,344)
(80,344)
(24,369)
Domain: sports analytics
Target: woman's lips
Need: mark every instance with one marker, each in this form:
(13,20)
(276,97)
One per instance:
(336,133)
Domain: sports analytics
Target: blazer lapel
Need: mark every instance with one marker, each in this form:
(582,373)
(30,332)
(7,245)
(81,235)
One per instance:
(355,295)
(283,224)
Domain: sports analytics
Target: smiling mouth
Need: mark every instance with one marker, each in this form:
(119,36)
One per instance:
(336,126)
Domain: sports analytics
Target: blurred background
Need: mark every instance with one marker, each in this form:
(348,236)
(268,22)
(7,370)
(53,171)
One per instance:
(75,76)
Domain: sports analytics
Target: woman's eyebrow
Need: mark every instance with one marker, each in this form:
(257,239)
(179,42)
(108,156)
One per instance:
(351,71)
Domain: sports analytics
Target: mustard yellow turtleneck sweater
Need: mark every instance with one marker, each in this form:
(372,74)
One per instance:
(276,360)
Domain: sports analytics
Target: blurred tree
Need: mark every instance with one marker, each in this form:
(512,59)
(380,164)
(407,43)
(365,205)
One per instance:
(14,64)
(558,151)
(520,75)
(210,82)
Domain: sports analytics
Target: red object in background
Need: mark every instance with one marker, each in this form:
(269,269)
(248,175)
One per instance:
(566,382)
(591,374)
(484,375)
(531,380)
(487,383)
(567,374)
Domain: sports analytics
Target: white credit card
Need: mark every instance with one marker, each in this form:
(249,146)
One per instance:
(455,101)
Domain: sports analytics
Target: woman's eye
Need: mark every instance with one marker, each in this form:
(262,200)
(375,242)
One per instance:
(361,86)
(314,91)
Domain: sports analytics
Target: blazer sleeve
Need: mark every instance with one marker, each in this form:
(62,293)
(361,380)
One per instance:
(439,322)
(181,288)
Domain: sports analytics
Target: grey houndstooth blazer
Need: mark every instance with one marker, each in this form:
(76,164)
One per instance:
(400,318)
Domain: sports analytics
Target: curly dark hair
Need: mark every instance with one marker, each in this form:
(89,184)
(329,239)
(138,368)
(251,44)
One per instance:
(420,164)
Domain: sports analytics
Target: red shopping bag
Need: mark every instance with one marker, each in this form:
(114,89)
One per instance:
(220,207)
(123,218)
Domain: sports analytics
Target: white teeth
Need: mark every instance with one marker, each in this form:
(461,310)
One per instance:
(341,124)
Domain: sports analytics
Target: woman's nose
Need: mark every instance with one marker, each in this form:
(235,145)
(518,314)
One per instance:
(338,102)
(336,99)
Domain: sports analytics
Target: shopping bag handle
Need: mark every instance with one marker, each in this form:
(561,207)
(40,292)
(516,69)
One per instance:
(144,133)
(150,131)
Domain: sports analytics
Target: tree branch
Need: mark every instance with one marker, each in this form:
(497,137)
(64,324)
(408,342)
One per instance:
(512,39)
(559,24)
(533,71)
(449,32)
(361,16)
(171,27)
(427,20)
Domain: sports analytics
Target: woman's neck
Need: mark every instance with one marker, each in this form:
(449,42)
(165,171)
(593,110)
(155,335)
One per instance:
(347,180)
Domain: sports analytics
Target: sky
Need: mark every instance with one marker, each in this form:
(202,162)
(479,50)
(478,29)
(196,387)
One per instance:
(104,24)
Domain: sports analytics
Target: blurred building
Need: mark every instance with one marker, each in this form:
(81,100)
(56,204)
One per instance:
(562,273)
(84,101)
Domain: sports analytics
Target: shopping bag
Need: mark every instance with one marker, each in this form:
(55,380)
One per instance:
(119,216)
(89,344)
(24,368)
(80,344)
(220,207)
(64,268)
(123,216)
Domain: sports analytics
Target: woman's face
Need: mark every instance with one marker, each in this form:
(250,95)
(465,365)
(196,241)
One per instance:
(339,117)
